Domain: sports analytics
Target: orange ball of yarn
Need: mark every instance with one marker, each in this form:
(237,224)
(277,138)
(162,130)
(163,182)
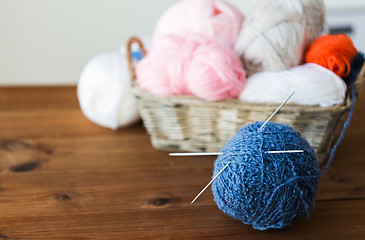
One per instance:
(333,52)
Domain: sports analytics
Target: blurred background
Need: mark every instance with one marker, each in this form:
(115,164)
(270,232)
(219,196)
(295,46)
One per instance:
(48,42)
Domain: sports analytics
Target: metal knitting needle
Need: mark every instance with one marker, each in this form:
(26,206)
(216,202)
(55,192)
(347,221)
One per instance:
(287,151)
(219,153)
(194,154)
(277,110)
(211,181)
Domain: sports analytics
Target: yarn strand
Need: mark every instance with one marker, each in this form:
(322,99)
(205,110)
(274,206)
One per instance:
(346,124)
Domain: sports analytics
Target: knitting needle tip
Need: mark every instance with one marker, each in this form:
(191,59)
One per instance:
(194,154)
(211,181)
(286,151)
(277,110)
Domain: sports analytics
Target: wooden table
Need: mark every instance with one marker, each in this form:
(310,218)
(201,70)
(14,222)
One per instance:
(62,177)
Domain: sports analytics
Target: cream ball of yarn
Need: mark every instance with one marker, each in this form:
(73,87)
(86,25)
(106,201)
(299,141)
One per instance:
(276,33)
(104,91)
(313,85)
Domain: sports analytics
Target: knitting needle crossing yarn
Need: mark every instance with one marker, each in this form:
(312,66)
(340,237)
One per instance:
(261,189)
(276,33)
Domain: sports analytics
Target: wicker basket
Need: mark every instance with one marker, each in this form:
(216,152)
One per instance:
(185,123)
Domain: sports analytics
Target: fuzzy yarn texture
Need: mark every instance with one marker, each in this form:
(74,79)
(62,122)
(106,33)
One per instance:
(276,33)
(261,189)
(216,19)
(334,52)
(313,85)
(356,65)
(191,65)
(104,91)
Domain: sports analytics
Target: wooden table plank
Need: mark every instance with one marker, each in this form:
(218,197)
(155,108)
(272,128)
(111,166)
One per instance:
(185,223)
(125,189)
(38,98)
(63,177)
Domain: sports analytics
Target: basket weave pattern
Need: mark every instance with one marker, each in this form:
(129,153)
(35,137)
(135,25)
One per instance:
(185,123)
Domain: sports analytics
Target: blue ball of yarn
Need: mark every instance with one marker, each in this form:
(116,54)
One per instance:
(266,190)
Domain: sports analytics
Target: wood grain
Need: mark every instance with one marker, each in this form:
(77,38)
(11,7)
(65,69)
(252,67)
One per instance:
(62,177)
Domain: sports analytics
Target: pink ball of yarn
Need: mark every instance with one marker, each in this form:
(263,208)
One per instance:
(215,19)
(152,74)
(192,65)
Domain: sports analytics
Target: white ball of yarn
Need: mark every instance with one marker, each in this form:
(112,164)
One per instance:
(276,33)
(104,91)
(313,85)
(216,19)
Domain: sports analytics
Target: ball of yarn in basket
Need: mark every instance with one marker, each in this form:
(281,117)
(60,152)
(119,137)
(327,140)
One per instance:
(262,189)
(334,52)
(191,65)
(276,33)
(216,19)
(356,66)
(313,85)
(104,91)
